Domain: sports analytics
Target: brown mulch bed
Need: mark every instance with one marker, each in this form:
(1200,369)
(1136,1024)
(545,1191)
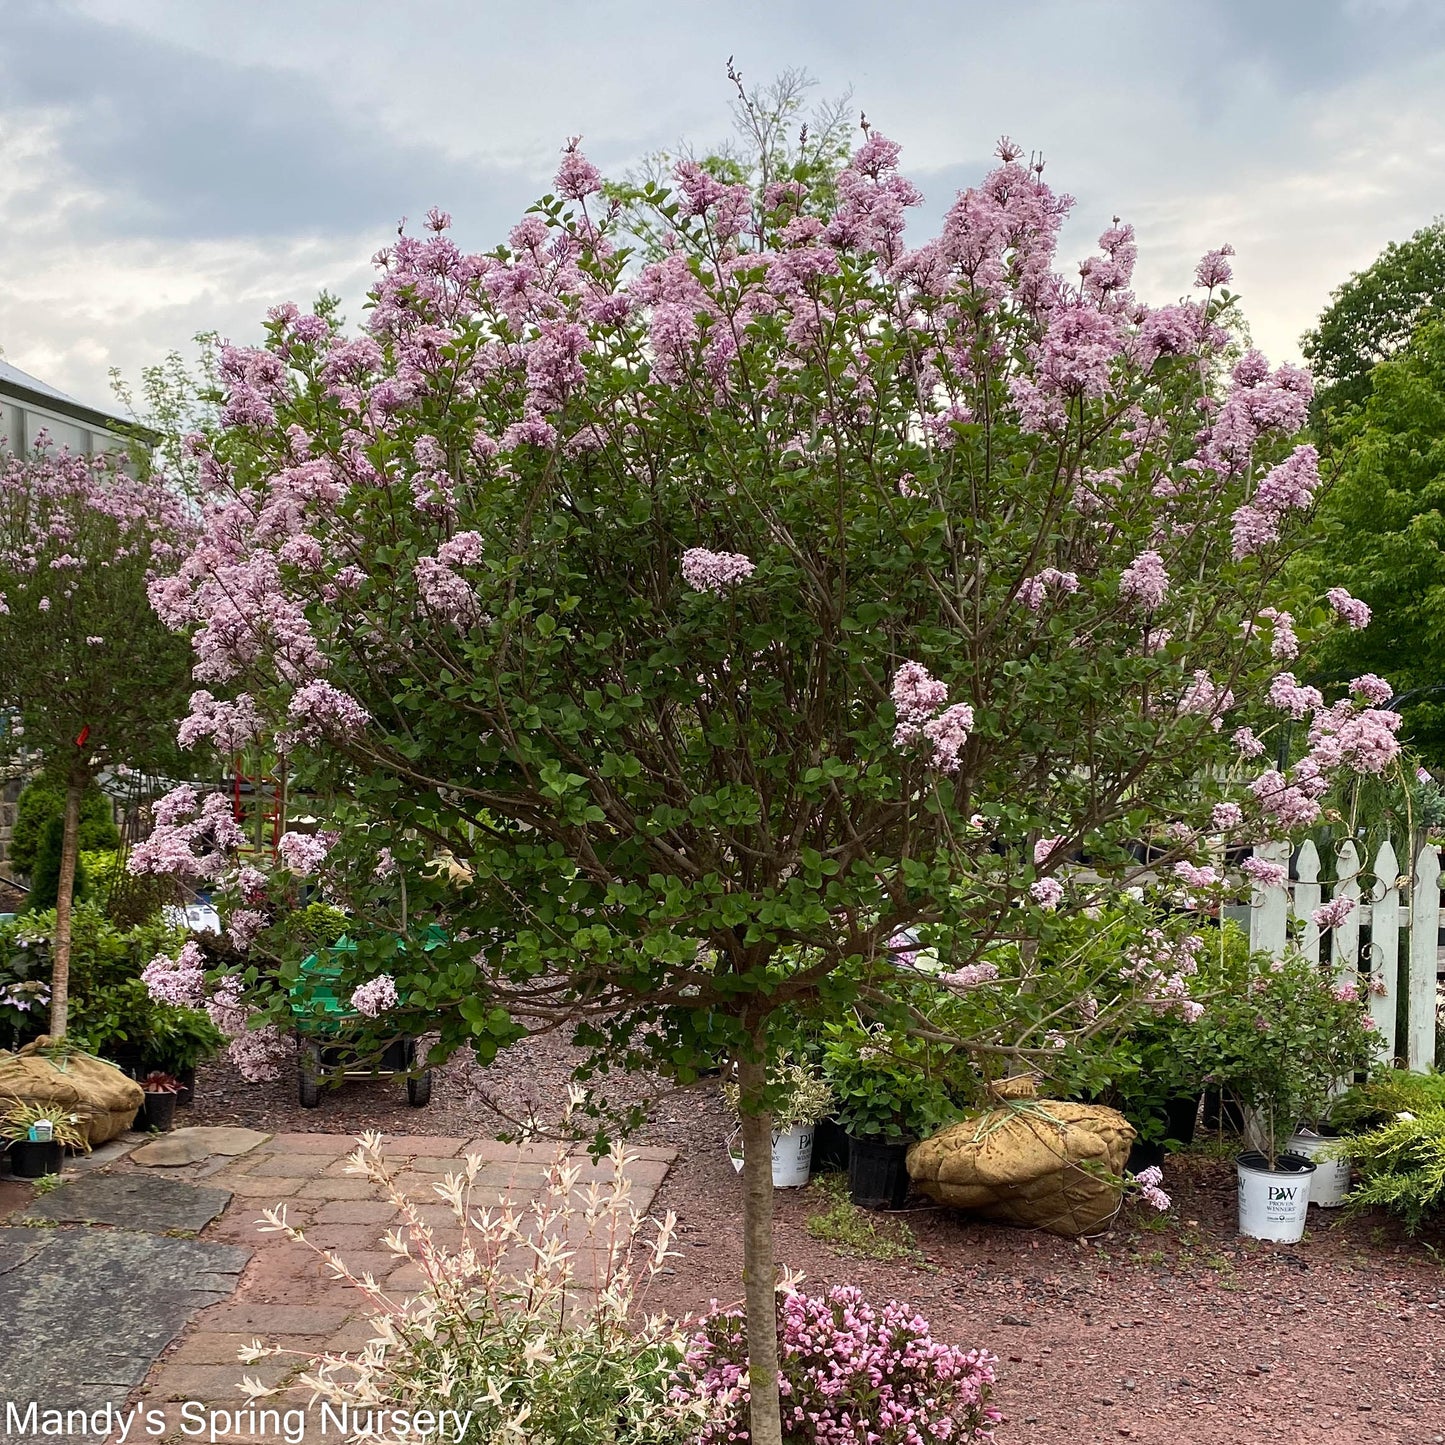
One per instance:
(1169,1330)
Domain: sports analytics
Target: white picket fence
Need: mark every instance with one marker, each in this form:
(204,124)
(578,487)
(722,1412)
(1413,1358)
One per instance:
(1397,916)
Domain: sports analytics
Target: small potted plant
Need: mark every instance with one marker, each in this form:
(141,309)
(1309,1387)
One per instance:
(38,1136)
(161,1092)
(887,1099)
(802,1098)
(1283,1045)
(1157,1088)
(182,1038)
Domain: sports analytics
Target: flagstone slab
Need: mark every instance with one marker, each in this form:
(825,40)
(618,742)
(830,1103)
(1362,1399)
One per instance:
(190,1146)
(131,1201)
(88,1310)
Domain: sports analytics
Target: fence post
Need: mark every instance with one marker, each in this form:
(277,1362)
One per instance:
(1346,941)
(1307,898)
(1424,950)
(1269,917)
(1385,946)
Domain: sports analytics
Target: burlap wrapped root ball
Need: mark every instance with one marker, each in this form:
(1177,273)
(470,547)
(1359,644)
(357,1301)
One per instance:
(104,1101)
(1040,1163)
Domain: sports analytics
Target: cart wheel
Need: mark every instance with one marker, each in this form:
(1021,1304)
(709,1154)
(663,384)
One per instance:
(308,1072)
(418,1086)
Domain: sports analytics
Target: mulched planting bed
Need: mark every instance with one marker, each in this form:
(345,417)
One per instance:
(1169,1329)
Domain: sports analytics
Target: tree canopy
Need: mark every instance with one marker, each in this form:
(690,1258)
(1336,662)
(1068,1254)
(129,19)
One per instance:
(1373,316)
(1383,537)
(719,611)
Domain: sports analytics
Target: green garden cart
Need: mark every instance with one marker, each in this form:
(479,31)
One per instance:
(322,1021)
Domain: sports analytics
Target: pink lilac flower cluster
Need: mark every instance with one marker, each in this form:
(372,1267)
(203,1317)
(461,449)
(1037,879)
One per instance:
(1148,1182)
(179,980)
(1375,690)
(1289,486)
(1226,817)
(260,1055)
(54,491)
(375,997)
(1248,745)
(1333,914)
(1161,967)
(1194,876)
(1205,698)
(191,839)
(850,1372)
(263,1055)
(229,726)
(1048,893)
(1293,697)
(1349,609)
(1284,641)
(320,711)
(244,926)
(718,572)
(918,703)
(304,853)
(1265,874)
(1145,580)
(1035,589)
(1361,740)
(971,975)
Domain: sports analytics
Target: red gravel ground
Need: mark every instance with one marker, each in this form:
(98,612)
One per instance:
(1170,1330)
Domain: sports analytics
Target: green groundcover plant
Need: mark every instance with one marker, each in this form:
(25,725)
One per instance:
(1393,1131)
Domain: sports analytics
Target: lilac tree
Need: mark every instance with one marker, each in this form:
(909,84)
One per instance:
(88,674)
(723,609)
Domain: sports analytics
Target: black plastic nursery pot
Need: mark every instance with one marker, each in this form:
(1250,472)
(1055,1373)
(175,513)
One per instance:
(877,1172)
(1180,1117)
(830,1146)
(34,1160)
(1222,1113)
(1145,1156)
(160,1112)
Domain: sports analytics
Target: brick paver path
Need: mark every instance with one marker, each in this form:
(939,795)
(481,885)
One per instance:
(286,1295)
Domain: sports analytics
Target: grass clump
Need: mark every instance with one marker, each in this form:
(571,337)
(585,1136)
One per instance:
(857,1232)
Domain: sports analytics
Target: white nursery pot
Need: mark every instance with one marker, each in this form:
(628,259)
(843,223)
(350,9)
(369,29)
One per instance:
(792,1156)
(1273,1203)
(1331,1180)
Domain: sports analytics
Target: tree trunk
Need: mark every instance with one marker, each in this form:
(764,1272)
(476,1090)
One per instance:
(765,1425)
(64,895)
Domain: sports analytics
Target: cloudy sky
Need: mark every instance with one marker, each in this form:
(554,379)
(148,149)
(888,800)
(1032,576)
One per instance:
(168,166)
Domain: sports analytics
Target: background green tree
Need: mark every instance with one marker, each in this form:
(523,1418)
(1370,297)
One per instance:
(43,799)
(1382,537)
(1373,317)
